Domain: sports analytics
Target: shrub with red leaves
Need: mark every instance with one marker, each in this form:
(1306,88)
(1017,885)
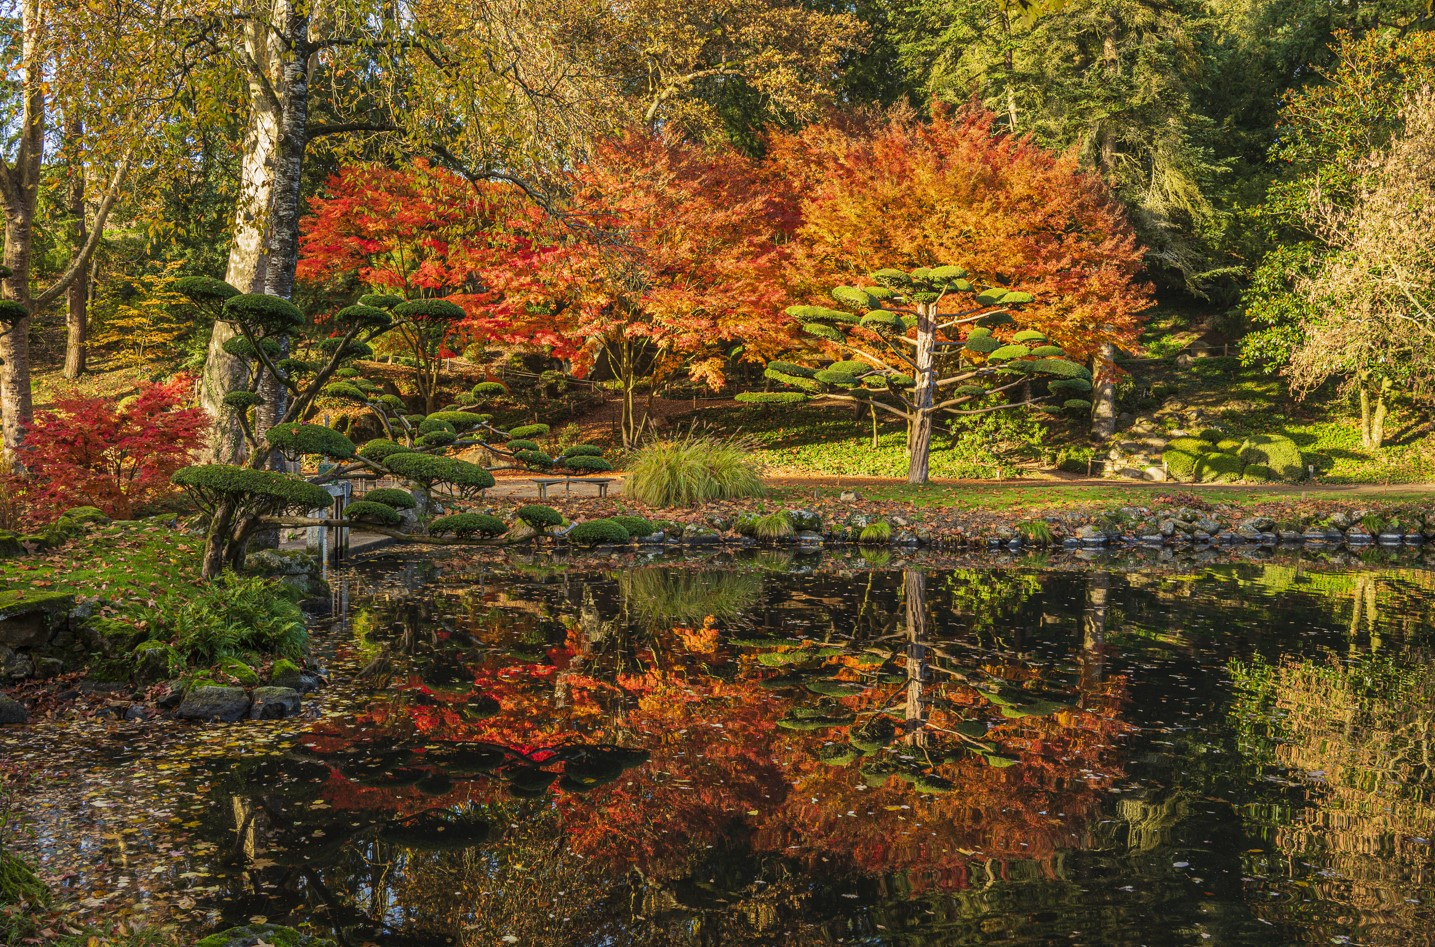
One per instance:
(116,455)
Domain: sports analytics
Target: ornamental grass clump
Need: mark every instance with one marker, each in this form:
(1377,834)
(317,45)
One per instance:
(691,471)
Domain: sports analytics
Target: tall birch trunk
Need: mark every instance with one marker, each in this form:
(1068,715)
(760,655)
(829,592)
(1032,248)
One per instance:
(1103,396)
(77,315)
(914,586)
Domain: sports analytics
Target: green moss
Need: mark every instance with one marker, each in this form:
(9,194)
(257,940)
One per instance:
(1276,452)
(1219,468)
(233,667)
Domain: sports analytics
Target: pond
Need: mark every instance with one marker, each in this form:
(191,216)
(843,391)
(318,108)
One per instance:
(766,749)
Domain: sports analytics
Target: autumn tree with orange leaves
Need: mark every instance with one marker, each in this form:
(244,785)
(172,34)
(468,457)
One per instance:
(899,192)
(671,261)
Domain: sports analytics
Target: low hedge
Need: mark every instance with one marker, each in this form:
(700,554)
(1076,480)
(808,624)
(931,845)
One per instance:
(596,532)
(468,524)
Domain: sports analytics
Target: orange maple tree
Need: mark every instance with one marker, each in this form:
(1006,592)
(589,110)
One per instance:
(900,192)
(671,259)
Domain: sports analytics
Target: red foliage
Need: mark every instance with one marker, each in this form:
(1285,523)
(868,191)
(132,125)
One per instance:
(905,193)
(675,246)
(418,231)
(113,454)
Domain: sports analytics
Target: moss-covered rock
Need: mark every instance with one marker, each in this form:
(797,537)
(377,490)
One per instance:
(253,935)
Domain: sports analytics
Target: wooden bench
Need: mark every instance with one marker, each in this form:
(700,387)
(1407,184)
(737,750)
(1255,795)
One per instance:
(545,482)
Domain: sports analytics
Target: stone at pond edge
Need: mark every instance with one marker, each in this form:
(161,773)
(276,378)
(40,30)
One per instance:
(12,711)
(223,704)
(251,935)
(274,703)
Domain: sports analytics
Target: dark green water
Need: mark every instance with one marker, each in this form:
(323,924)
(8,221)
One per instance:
(768,750)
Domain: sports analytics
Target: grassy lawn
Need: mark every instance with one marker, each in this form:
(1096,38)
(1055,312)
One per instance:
(1043,497)
(122,563)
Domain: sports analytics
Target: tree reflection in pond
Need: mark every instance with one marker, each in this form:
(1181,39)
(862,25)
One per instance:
(823,751)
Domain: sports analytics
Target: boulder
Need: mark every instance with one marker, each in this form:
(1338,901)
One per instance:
(805,521)
(12,712)
(1261,524)
(274,703)
(222,704)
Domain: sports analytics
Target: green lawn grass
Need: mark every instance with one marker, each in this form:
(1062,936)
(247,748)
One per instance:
(124,562)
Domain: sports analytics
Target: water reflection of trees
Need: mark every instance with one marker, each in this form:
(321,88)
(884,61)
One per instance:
(1352,742)
(901,739)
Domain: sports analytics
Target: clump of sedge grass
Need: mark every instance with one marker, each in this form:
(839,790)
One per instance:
(690,472)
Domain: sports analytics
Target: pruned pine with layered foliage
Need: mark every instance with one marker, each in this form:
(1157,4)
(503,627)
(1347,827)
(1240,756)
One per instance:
(919,344)
(317,369)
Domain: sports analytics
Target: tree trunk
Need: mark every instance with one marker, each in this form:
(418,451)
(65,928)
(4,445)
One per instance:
(919,435)
(15,398)
(914,587)
(1374,408)
(78,295)
(1093,629)
(1103,395)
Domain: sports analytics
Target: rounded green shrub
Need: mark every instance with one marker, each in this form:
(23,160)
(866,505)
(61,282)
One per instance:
(1228,445)
(361,315)
(390,496)
(269,314)
(533,458)
(458,420)
(982,344)
(1259,473)
(820,331)
(792,368)
(294,438)
(1048,351)
(586,464)
(429,310)
(464,525)
(265,490)
(597,532)
(205,290)
(381,448)
(529,430)
(488,389)
(242,400)
(436,439)
(770,397)
(368,511)
(345,391)
(240,347)
(1009,352)
(1027,336)
(521,444)
(294,367)
(1219,468)
(539,517)
(380,300)
(427,469)
(582,450)
(636,526)
(430,424)
(1275,451)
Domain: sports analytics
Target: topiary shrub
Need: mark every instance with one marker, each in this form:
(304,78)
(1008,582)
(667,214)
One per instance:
(488,389)
(1181,456)
(369,511)
(294,439)
(1259,473)
(436,439)
(262,313)
(519,444)
(381,448)
(389,496)
(529,430)
(1277,452)
(427,470)
(242,400)
(464,525)
(691,471)
(539,517)
(431,423)
(582,450)
(262,491)
(597,532)
(1219,468)
(586,464)
(533,458)
(459,420)
(636,526)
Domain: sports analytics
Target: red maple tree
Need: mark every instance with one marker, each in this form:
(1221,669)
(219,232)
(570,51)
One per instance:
(114,454)
(671,260)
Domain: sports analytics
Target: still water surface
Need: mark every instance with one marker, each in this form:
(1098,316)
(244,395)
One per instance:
(768,750)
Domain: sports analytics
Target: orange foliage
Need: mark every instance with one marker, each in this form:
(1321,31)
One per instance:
(904,193)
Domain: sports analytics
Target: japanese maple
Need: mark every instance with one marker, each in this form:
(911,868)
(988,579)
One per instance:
(114,454)
(672,262)
(904,193)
